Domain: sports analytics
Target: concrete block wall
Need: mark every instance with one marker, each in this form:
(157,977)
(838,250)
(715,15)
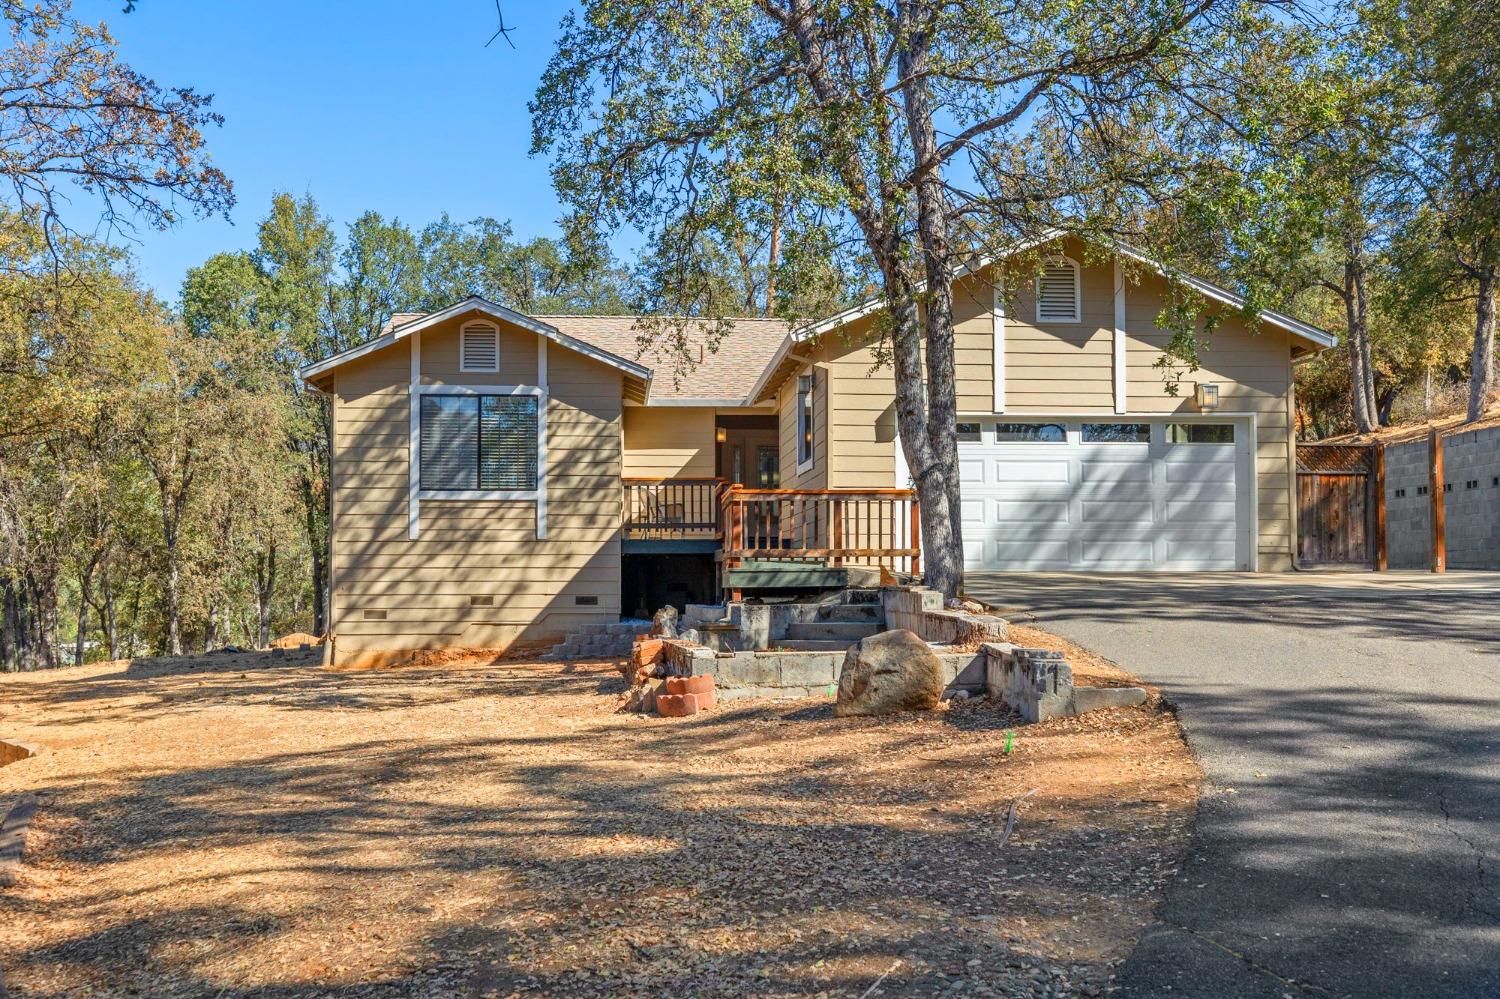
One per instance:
(920,610)
(1471,463)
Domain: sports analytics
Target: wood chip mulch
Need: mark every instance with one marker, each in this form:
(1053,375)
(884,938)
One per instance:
(254,825)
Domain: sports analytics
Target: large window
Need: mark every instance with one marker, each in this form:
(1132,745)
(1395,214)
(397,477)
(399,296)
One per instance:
(479,442)
(805,420)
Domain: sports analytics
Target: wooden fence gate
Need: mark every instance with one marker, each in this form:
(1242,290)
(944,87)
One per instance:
(1340,505)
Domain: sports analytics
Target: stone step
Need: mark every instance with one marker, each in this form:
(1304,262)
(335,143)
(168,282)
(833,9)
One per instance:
(812,645)
(847,631)
(860,613)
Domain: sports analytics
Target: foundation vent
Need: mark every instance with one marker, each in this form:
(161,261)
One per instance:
(481,600)
(586,601)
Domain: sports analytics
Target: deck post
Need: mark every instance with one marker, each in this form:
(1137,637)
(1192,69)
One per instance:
(837,520)
(916,536)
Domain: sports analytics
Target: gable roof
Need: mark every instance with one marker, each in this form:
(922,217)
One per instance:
(715,377)
(416,322)
(786,357)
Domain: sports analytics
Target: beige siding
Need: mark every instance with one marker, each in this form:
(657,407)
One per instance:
(1061,369)
(518,356)
(466,548)
(675,441)
(816,477)
(1253,372)
(1062,365)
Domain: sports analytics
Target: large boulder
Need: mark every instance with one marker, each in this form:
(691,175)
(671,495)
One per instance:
(889,672)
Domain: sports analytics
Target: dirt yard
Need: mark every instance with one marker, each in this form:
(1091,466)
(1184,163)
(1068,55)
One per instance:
(254,825)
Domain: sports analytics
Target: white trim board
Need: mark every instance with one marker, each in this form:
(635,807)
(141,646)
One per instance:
(487,308)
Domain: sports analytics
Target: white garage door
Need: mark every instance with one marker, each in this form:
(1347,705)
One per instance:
(1107,495)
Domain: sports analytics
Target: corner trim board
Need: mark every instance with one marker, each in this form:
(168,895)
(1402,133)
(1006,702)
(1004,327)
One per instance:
(1120,343)
(997,317)
(414,471)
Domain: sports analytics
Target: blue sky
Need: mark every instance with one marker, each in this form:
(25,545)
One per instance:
(389,105)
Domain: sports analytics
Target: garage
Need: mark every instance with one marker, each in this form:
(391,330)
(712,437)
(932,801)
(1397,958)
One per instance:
(1097,494)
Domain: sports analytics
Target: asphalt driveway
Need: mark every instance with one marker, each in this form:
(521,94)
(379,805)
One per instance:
(1348,839)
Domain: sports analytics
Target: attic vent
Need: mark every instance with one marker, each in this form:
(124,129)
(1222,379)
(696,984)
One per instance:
(479,349)
(1057,292)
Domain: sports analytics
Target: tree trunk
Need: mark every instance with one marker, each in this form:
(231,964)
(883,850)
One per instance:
(169,597)
(107,615)
(1482,371)
(944,547)
(1360,383)
(84,588)
(265,587)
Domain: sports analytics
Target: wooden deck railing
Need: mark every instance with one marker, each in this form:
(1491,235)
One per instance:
(842,526)
(669,509)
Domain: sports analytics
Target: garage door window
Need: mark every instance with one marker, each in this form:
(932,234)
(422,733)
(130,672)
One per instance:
(969,433)
(1117,433)
(1200,433)
(1030,433)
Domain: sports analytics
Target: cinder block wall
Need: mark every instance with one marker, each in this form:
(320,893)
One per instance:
(1472,469)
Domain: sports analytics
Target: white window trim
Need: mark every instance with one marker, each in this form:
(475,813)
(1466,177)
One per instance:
(812,416)
(463,356)
(416,494)
(1077,292)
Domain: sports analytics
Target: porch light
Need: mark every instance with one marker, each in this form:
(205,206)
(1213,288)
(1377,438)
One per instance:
(721,435)
(1206,395)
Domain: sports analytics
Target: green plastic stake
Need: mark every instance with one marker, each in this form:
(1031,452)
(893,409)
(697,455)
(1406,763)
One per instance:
(1010,739)
(832,690)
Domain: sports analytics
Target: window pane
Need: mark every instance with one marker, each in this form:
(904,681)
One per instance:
(1046,433)
(507,442)
(804,419)
(969,432)
(1200,433)
(1116,433)
(450,442)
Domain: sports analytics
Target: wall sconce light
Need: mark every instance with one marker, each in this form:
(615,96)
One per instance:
(1206,395)
(721,435)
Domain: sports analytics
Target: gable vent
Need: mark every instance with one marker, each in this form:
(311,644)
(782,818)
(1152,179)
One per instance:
(1057,292)
(479,349)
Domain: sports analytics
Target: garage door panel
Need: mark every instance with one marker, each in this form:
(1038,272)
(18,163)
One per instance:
(971,472)
(1107,473)
(1098,553)
(1041,555)
(1199,552)
(1005,511)
(1202,512)
(1125,492)
(1117,511)
(1214,470)
(1005,471)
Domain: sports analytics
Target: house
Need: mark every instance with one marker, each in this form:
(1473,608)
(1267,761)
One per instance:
(498,477)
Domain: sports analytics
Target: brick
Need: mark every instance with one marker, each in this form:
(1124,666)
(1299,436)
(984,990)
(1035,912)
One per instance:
(676,705)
